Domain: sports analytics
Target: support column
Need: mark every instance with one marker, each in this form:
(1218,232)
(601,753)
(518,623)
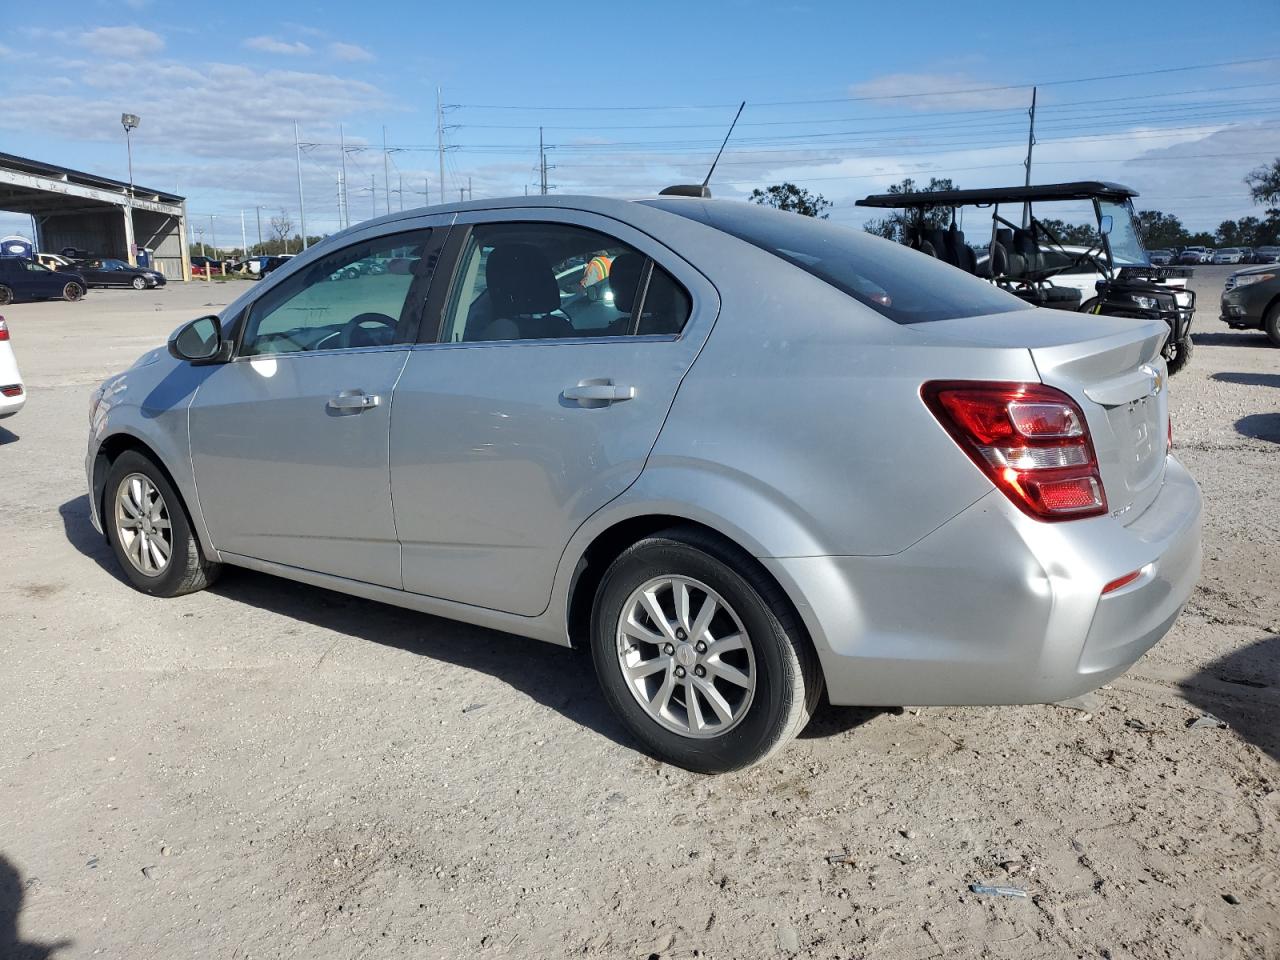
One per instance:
(186,247)
(127,211)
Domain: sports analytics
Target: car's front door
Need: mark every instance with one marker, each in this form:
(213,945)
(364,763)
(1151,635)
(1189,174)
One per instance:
(562,342)
(43,281)
(289,440)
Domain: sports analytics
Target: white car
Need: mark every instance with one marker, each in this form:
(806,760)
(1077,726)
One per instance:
(1228,255)
(12,393)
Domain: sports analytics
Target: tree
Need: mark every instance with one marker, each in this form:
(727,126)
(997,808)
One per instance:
(281,226)
(1264,186)
(1161,230)
(1079,234)
(787,196)
(893,227)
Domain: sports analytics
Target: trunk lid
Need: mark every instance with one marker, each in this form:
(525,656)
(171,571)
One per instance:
(1111,367)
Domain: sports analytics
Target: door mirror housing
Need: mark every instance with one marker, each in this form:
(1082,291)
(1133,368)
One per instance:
(1105,226)
(201,342)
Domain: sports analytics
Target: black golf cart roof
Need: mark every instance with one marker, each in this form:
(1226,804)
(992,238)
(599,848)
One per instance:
(1080,190)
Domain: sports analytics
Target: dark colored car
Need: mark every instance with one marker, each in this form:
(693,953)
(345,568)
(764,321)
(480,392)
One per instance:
(1251,301)
(1266,255)
(117,273)
(272,263)
(22,279)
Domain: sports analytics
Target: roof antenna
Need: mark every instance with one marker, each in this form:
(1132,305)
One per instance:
(700,189)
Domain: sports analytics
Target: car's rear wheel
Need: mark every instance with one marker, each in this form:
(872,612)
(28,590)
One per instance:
(699,654)
(1177,353)
(1271,324)
(72,291)
(138,283)
(150,531)
(6,296)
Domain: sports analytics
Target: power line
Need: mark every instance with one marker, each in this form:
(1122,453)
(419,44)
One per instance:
(888,96)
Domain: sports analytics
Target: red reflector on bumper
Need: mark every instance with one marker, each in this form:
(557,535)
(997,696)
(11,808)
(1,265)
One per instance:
(13,391)
(1119,582)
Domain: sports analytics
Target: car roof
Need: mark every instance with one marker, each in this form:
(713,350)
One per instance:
(1076,190)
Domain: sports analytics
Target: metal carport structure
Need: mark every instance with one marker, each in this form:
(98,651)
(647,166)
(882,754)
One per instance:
(97,214)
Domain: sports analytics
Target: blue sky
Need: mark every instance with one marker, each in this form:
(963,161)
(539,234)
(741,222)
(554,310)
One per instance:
(843,98)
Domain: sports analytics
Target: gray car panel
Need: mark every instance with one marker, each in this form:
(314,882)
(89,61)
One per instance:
(493,468)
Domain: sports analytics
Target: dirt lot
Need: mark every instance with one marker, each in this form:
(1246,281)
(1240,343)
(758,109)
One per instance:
(271,770)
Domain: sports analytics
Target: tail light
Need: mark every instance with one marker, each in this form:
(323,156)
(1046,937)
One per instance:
(14,390)
(1032,441)
(4,329)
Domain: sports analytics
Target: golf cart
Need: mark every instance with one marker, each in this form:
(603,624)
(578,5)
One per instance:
(1112,276)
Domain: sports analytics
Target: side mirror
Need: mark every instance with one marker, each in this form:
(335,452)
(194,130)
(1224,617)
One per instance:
(201,342)
(1105,226)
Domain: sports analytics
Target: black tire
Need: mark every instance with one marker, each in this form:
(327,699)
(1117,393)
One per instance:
(1177,354)
(6,296)
(1088,306)
(1271,324)
(138,283)
(788,677)
(72,292)
(187,570)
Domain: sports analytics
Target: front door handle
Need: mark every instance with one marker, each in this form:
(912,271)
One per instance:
(598,393)
(354,400)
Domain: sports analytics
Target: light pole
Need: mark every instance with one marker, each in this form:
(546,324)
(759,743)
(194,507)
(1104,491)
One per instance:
(129,121)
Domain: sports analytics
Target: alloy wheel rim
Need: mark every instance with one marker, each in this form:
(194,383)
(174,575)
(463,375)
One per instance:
(143,525)
(686,657)
(71,291)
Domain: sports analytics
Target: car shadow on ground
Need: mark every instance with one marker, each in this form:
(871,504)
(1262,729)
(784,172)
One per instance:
(1260,426)
(7,436)
(12,891)
(1249,379)
(1243,690)
(554,676)
(1238,338)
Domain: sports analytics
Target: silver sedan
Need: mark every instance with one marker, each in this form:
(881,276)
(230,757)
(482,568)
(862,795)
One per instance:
(740,455)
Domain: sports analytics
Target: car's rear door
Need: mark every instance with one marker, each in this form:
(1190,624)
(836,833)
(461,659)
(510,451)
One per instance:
(540,399)
(289,440)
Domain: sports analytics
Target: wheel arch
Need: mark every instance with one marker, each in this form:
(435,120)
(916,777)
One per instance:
(110,449)
(609,543)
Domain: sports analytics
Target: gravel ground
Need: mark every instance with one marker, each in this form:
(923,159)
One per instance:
(272,770)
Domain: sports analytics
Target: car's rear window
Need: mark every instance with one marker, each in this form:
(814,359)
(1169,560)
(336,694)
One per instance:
(902,284)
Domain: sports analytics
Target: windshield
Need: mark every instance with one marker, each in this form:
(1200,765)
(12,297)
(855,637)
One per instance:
(1123,240)
(899,283)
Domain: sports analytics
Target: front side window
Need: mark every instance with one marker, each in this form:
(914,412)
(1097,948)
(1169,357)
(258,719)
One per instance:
(540,281)
(353,297)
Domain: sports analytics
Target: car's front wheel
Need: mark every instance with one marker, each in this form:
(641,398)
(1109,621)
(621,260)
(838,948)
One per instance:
(150,532)
(699,654)
(1271,324)
(6,296)
(139,283)
(72,292)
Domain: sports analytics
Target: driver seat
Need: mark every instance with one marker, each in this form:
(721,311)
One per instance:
(523,295)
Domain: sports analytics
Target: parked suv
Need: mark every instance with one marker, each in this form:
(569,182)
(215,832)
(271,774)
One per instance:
(773,455)
(1251,300)
(1193,255)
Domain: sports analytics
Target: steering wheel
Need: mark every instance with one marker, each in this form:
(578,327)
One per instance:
(357,324)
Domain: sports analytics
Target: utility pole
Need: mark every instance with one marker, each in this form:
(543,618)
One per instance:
(244,241)
(440,140)
(302,209)
(259,212)
(373,192)
(342,148)
(1031,142)
(542,164)
(213,234)
(339,199)
(470,195)
(386,168)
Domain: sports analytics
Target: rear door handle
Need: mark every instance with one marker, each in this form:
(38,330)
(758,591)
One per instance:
(598,393)
(354,400)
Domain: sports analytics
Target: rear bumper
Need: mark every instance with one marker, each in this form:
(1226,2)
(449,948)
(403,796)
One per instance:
(11,405)
(997,608)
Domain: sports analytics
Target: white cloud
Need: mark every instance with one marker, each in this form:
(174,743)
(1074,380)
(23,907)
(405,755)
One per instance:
(349,52)
(272,45)
(939,91)
(120,41)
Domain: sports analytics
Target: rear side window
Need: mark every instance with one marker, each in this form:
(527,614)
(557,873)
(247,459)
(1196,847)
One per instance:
(897,282)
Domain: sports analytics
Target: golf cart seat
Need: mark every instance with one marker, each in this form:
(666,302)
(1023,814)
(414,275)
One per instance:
(960,253)
(1015,264)
(934,242)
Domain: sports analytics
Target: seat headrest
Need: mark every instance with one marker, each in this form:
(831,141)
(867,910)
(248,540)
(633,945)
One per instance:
(521,281)
(624,280)
(1005,237)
